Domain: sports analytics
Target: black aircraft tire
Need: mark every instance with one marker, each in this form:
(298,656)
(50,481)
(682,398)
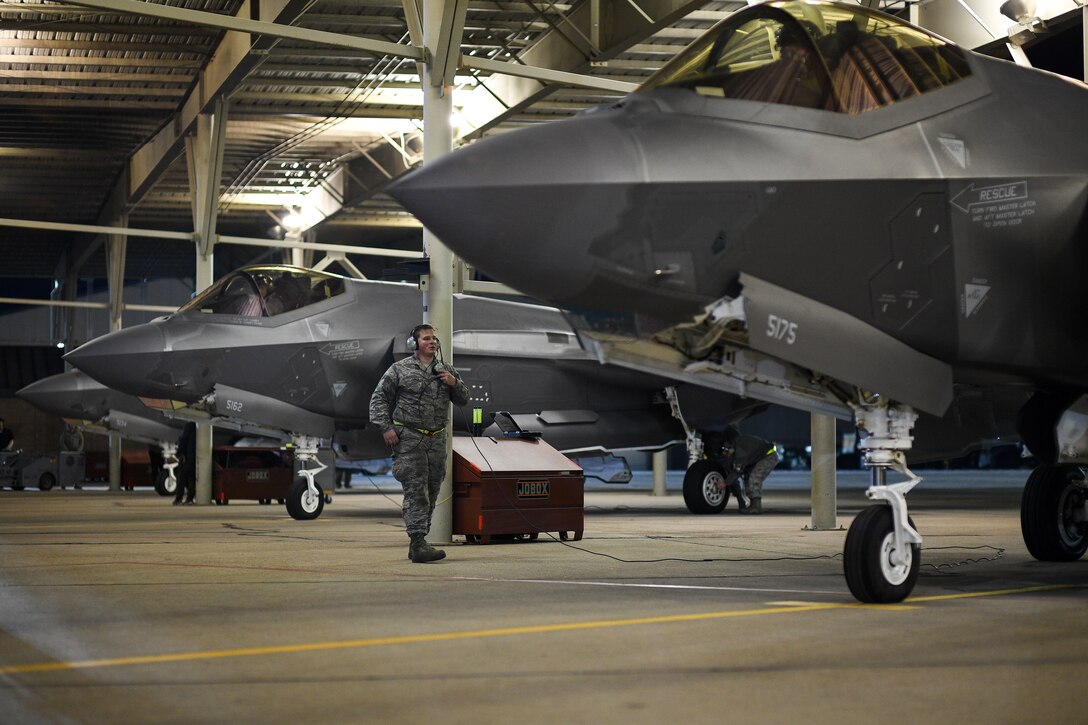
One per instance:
(164,486)
(700,482)
(46,481)
(869,573)
(1051,498)
(301,505)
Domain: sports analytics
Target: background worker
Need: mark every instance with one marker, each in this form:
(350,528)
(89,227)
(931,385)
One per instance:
(751,458)
(411,404)
(7,437)
(186,470)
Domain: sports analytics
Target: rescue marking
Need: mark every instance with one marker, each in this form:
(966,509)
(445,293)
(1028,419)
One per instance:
(499,632)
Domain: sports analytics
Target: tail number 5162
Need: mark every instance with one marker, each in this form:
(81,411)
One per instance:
(779,328)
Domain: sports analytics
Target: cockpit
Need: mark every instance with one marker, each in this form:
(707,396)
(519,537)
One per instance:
(831,57)
(266,291)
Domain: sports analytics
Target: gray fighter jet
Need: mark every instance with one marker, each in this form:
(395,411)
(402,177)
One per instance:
(92,407)
(300,351)
(824,206)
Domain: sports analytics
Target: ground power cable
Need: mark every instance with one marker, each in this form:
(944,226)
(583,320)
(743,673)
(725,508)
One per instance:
(939,568)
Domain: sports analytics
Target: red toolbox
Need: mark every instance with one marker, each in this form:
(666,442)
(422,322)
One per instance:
(260,474)
(515,487)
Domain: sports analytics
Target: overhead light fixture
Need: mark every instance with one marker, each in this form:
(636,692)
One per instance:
(293,220)
(1026,23)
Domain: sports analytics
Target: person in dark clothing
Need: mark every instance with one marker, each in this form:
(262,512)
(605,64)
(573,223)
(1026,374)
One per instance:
(186,470)
(751,458)
(7,437)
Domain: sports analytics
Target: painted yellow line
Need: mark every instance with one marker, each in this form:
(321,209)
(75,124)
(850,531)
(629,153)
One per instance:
(409,639)
(996,592)
(501,632)
(278,517)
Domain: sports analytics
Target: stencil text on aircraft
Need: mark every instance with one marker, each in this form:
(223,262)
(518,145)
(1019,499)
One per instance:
(1002,205)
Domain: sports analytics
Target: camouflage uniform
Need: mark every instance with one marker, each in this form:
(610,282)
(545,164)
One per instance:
(415,402)
(754,459)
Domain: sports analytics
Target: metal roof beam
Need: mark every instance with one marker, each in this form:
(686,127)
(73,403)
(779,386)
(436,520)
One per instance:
(243,24)
(621,26)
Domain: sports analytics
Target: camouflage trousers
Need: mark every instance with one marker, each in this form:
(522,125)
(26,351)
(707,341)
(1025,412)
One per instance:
(419,463)
(757,474)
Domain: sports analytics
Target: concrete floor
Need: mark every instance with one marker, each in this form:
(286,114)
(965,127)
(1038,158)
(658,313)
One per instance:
(123,608)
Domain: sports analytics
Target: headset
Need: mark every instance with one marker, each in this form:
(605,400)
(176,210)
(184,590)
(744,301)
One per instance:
(412,342)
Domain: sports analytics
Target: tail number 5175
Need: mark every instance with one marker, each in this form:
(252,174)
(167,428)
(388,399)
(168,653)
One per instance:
(779,328)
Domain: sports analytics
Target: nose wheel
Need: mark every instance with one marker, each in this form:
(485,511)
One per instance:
(305,499)
(878,571)
(166,481)
(883,549)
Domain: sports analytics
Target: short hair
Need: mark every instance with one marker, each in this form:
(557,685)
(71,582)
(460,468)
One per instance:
(417,328)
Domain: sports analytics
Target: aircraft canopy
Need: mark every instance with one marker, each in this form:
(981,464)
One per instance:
(832,57)
(266,291)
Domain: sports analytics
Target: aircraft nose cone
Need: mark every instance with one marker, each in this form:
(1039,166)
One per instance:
(122,360)
(62,394)
(526,208)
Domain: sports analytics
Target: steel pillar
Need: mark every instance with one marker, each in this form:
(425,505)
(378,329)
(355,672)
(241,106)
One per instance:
(824,504)
(115,460)
(660,472)
(440,31)
(116,247)
(204,155)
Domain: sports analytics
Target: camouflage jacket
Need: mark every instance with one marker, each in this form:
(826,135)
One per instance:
(411,393)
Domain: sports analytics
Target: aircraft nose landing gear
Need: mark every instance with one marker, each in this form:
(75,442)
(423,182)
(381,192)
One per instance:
(166,481)
(305,499)
(882,551)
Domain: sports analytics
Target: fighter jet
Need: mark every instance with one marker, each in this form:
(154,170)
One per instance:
(825,206)
(300,351)
(94,408)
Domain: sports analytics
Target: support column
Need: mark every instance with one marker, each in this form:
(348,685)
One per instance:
(660,460)
(115,460)
(116,247)
(442,38)
(824,504)
(204,154)
(204,432)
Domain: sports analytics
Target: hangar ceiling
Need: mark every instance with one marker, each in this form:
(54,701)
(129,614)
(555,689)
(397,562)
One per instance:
(97,102)
(88,92)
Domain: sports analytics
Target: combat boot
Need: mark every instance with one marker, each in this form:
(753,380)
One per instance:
(755,505)
(420,552)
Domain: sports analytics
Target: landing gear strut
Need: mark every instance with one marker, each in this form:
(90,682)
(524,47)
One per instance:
(705,486)
(166,481)
(305,499)
(883,551)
